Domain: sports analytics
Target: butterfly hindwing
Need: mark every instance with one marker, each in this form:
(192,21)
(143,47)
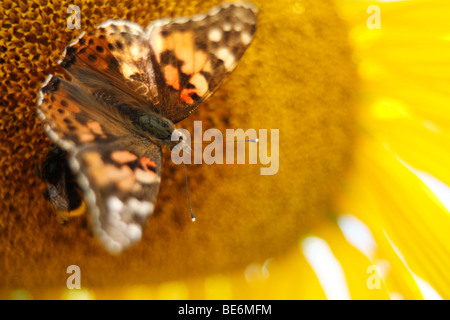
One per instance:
(120,182)
(194,55)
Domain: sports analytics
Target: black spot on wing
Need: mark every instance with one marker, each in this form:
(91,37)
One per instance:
(114,27)
(168,58)
(200,44)
(119,45)
(165,33)
(128,39)
(195,96)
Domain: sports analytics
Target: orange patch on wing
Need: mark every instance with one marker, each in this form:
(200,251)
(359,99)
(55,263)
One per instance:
(94,160)
(85,136)
(104,174)
(71,106)
(59,97)
(117,175)
(147,175)
(146,163)
(123,156)
(60,112)
(95,127)
(171,76)
(185,96)
(184,49)
(128,182)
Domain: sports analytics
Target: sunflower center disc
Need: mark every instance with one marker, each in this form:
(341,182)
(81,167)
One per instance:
(297,77)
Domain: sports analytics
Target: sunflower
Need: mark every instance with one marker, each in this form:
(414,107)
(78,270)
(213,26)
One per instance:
(357,210)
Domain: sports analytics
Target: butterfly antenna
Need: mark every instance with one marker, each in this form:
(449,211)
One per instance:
(187,191)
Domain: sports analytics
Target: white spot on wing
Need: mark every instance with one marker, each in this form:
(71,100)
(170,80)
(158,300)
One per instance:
(227,27)
(142,208)
(215,35)
(134,232)
(200,83)
(121,230)
(114,204)
(246,38)
(237,27)
(227,57)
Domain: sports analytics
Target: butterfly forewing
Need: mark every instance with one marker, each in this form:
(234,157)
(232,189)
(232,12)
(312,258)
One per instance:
(194,55)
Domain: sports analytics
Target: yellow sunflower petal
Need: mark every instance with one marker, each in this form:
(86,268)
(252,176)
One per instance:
(401,175)
(360,273)
(412,219)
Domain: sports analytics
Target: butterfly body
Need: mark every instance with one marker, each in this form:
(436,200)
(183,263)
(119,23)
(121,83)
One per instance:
(128,88)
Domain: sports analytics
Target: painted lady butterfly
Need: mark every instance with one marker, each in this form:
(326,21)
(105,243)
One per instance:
(128,87)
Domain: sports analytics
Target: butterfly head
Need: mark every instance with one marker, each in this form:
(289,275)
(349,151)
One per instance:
(179,141)
(163,131)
